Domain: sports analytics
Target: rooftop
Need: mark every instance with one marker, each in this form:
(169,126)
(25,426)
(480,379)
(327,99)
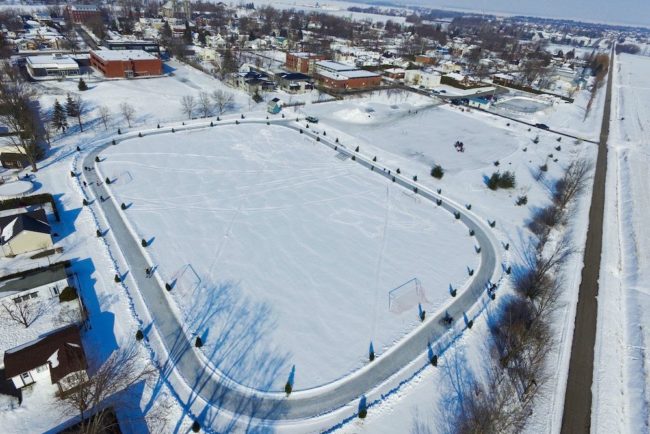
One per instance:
(116,55)
(52,61)
(84,8)
(33,221)
(32,279)
(345,75)
(334,66)
(61,349)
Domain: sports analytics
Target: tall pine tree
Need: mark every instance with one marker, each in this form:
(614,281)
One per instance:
(59,117)
(73,107)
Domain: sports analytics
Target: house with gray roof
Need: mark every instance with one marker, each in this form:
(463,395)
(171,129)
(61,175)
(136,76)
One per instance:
(25,232)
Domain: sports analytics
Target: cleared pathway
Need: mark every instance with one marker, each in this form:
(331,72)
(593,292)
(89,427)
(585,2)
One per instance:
(220,391)
(576,418)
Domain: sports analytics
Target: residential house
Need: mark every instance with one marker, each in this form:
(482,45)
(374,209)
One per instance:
(37,284)
(294,82)
(25,232)
(11,159)
(395,73)
(425,59)
(57,357)
(253,82)
(449,67)
(426,78)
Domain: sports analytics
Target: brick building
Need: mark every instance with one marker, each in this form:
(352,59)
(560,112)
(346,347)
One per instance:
(340,76)
(302,62)
(125,63)
(80,14)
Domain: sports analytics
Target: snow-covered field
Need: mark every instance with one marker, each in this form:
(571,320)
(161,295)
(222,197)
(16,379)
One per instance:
(570,118)
(264,229)
(407,132)
(261,214)
(154,99)
(621,386)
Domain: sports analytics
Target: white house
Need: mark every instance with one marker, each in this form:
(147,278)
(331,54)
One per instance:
(26,232)
(40,284)
(424,78)
(207,54)
(57,357)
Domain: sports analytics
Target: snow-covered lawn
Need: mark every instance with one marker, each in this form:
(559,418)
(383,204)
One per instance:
(47,315)
(621,388)
(155,99)
(408,133)
(270,237)
(570,118)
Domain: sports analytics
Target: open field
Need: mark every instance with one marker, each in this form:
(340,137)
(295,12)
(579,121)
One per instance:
(270,237)
(621,393)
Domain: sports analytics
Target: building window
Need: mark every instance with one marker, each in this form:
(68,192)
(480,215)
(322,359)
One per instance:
(17,300)
(55,290)
(25,375)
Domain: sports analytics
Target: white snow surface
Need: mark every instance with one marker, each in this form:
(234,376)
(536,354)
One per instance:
(271,238)
(621,382)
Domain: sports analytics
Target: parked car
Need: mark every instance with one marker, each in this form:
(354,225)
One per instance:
(542,126)
(312,119)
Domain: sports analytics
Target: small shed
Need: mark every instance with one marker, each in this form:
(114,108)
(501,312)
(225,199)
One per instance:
(274,106)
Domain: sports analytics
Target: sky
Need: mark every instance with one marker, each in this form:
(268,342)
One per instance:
(629,12)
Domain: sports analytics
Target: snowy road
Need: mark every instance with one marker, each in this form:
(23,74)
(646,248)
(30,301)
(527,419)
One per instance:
(578,398)
(221,392)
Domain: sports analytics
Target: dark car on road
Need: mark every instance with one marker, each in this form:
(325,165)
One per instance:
(542,126)
(312,119)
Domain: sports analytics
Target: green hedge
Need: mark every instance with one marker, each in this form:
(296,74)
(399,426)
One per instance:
(36,199)
(68,294)
(21,274)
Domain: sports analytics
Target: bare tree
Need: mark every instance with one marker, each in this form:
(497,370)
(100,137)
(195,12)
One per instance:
(24,312)
(222,100)
(188,104)
(19,115)
(205,104)
(87,395)
(487,405)
(105,115)
(128,112)
(573,182)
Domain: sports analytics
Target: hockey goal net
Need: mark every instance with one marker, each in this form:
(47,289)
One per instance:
(406,296)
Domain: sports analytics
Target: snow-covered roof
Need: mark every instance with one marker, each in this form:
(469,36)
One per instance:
(334,66)
(60,349)
(346,75)
(117,55)
(32,279)
(503,76)
(53,61)
(84,8)
(32,221)
(456,76)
